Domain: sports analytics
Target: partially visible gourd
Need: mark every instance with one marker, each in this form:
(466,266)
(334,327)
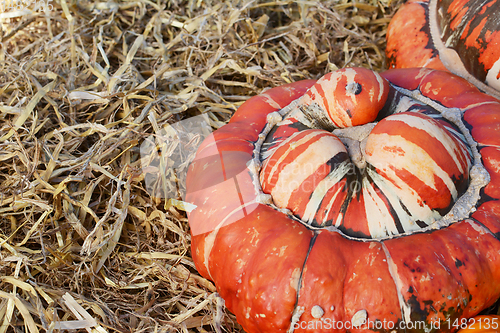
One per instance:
(461,36)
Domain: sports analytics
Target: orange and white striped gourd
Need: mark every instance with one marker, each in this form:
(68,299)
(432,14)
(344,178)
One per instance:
(360,198)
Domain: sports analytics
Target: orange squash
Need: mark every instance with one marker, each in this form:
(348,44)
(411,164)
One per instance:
(360,202)
(461,36)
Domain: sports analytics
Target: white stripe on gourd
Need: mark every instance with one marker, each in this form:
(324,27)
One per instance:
(292,176)
(431,128)
(324,186)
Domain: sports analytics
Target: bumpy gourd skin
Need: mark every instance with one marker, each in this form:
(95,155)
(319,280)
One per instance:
(275,272)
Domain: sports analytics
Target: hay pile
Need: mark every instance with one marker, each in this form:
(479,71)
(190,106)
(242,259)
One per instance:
(84,243)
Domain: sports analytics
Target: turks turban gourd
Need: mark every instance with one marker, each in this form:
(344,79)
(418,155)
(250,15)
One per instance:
(357,202)
(461,36)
